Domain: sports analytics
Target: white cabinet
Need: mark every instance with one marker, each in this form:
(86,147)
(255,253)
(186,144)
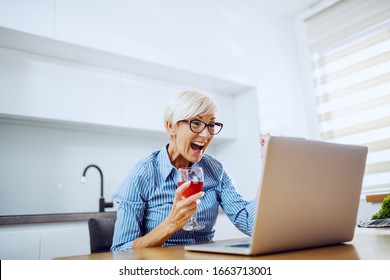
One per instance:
(42,87)
(43,241)
(228,41)
(171,33)
(64,239)
(104,25)
(54,80)
(73,59)
(20,242)
(36,17)
(210,38)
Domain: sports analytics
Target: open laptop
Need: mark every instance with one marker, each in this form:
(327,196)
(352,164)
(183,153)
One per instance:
(309,196)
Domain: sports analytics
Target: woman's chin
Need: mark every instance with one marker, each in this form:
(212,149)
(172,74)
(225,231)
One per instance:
(195,156)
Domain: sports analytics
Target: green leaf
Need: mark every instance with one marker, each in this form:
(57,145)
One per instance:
(384,212)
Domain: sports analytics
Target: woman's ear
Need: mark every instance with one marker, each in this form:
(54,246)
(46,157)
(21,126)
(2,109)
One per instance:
(170,128)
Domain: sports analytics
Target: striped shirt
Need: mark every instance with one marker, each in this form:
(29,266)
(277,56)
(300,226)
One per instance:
(146,196)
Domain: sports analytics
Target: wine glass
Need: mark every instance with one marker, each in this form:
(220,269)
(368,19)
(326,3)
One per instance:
(195,176)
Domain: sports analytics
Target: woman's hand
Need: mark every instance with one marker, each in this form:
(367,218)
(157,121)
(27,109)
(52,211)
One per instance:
(264,138)
(183,208)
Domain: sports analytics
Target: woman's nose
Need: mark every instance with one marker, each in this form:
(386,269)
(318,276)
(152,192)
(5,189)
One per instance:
(205,133)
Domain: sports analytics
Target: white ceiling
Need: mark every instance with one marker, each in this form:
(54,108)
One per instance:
(282,8)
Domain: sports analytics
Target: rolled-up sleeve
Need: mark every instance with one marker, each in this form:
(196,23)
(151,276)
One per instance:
(130,214)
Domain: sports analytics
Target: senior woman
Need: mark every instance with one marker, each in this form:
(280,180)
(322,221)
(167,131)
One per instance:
(151,208)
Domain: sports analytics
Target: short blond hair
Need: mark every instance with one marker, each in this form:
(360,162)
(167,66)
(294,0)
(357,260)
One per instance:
(189,104)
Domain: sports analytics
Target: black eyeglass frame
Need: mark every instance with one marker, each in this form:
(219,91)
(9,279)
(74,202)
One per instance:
(208,125)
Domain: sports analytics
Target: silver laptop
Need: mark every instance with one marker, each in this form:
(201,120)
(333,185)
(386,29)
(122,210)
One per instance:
(309,196)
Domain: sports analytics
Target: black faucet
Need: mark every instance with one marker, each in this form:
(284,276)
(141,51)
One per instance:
(102,203)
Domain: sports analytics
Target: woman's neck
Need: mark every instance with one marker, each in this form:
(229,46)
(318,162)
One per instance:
(176,158)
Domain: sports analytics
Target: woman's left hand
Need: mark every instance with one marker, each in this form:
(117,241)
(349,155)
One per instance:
(264,138)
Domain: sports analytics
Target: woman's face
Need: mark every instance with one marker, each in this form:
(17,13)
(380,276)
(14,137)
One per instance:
(186,146)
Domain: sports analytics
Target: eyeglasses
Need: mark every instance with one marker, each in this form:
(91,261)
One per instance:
(198,126)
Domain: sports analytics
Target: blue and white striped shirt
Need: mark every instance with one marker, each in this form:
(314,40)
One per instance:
(146,197)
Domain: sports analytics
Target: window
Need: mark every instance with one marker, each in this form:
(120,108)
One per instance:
(349,45)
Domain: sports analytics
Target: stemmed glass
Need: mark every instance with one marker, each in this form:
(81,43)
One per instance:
(195,176)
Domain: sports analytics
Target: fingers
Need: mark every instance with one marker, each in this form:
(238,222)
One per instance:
(264,138)
(183,209)
(195,197)
(182,188)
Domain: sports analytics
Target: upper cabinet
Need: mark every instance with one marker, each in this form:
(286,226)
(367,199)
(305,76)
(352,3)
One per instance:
(209,39)
(98,63)
(104,25)
(49,79)
(228,50)
(44,87)
(36,17)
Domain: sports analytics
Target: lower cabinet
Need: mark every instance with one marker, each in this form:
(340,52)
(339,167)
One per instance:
(43,241)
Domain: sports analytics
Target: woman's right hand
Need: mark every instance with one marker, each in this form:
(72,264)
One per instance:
(181,212)
(183,208)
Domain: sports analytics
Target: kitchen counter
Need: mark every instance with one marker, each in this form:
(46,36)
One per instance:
(53,218)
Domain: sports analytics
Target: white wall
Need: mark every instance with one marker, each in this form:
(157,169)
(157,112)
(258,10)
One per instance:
(50,160)
(281,96)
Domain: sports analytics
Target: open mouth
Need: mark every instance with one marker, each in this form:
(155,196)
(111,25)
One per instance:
(198,146)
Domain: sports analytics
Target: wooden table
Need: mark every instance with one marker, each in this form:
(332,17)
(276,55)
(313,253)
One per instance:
(368,244)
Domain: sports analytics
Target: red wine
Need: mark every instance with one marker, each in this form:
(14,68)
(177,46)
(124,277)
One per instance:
(194,188)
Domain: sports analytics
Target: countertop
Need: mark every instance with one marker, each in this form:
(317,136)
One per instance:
(53,218)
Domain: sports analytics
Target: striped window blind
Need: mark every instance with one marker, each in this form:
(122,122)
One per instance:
(349,45)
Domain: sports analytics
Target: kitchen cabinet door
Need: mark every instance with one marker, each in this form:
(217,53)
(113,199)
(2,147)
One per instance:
(32,16)
(43,87)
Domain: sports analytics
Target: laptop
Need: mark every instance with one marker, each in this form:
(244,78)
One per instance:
(308,197)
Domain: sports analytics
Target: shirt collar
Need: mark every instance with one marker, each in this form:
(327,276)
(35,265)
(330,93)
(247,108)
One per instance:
(166,166)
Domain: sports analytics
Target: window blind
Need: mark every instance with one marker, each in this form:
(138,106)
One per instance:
(349,45)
